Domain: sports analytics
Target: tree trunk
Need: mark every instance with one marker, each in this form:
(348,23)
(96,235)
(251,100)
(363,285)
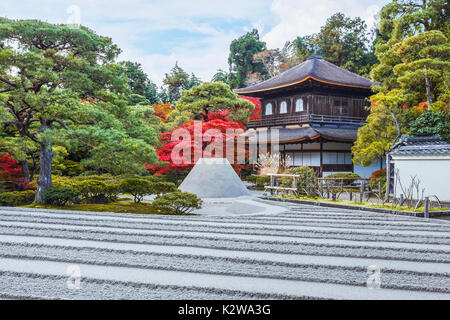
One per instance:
(428,86)
(25,170)
(45,171)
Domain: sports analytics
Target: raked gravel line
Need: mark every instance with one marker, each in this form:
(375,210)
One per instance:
(261,229)
(305,252)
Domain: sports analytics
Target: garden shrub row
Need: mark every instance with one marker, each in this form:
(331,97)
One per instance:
(106,189)
(100,192)
(17,198)
(348,176)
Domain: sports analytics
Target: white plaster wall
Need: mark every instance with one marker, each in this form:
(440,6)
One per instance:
(433,172)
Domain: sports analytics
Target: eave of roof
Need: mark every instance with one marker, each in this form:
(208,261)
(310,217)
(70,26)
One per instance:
(287,136)
(316,69)
(431,145)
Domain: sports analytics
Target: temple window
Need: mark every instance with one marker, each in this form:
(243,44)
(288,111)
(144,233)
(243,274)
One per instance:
(299,105)
(269,110)
(283,107)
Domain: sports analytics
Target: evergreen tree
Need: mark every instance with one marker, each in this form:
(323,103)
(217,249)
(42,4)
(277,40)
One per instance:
(240,60)
(424,72)
(68,91)
(139,82)
(176,81)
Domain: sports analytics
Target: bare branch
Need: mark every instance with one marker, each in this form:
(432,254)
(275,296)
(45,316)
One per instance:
(12,84)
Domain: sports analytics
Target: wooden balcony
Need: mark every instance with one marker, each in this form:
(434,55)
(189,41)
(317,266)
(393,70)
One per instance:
(283,120)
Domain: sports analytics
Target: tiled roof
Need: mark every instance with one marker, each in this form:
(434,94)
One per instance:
(308,133)
(423,145)
(316,68)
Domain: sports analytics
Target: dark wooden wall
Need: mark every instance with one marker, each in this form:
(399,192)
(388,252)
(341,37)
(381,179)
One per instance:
(330,105)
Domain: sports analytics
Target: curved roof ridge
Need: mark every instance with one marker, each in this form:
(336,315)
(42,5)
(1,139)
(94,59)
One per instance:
(316,68)
(345,70)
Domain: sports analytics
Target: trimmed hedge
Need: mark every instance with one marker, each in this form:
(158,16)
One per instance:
(60,196)
(92,191)
(178,202)
(17,198)
(138,188)
(164,187)
(344,175)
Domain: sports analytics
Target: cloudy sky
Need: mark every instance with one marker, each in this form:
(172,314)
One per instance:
(196,33)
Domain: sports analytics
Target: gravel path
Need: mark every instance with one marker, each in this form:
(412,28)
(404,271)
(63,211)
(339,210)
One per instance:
(303,253)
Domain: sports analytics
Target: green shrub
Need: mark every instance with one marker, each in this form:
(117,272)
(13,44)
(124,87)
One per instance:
(344,175)
(112,192)
(159,178)
(374,183)
(60,196)
(107,178)
(92,191)
(58,181)
(259,181)
(164,187)
(17,198)
(138,188)
(306,183)
(178,202)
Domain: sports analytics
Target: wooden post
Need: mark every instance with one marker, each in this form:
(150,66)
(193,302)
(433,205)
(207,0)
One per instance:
(361,192)
(388,177)
(427,208)
(379,189)
(328,189)
(272,184)
(351,194)
(294,184)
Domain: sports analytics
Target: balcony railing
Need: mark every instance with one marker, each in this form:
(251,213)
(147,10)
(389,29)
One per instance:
(281,120)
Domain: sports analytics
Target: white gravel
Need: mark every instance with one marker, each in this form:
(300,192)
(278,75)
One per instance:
(298,252)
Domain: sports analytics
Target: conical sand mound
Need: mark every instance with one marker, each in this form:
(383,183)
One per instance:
(214,178)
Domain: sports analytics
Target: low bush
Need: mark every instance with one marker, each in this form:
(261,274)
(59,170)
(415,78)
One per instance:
(138,188)
(17,198)
(92,191)
(60,196)
(106,178)
(348,176)
(112,192)
(377,178)
(306,183)
(178,202)
(259,181)
(164,187)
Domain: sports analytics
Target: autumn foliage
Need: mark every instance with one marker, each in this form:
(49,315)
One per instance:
(11,174)
(256,114)
(378,174)
(163,110)
(216,120)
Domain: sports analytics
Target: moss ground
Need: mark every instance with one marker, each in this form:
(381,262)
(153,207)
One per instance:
(119,207)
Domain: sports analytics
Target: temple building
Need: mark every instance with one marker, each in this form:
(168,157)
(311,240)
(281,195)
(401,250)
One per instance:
(317,108)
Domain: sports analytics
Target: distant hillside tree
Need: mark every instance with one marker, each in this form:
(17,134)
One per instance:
(240,60)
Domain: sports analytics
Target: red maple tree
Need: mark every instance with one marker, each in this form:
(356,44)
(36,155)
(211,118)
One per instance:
(11,174)
(256,114)
(216,120)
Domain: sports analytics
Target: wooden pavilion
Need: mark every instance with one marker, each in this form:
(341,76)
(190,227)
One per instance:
(317,108)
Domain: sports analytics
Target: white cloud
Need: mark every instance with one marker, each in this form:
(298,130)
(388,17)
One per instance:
(303,17)
(129,22)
